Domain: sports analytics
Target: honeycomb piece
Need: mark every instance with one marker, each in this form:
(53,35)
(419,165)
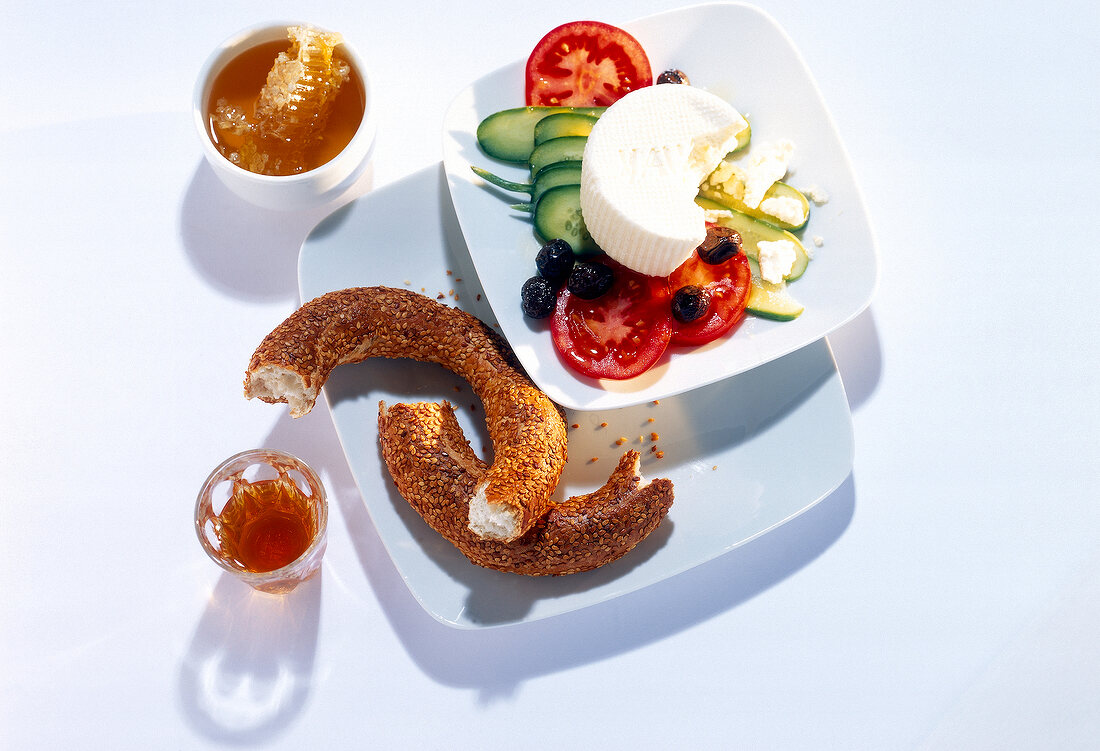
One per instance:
(295,102)
(293,106)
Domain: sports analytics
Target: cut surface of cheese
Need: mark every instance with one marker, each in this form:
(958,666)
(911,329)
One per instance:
(642,166)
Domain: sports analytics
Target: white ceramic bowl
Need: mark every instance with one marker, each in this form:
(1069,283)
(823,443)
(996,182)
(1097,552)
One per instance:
(307,189)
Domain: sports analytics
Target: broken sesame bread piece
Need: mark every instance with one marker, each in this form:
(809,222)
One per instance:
(438,473)
(526,428)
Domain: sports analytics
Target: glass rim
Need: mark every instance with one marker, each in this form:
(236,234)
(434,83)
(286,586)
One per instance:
(217,475)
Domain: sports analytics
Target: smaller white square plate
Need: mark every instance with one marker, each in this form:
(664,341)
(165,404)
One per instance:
(742,55)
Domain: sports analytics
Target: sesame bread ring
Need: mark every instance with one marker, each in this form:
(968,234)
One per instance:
(436,471)
(526,428)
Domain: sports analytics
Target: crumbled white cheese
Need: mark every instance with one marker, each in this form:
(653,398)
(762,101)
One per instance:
(819,240)
(784,208)
(716,215)
(722,173)
(776,259)
(760,168)
(815,194)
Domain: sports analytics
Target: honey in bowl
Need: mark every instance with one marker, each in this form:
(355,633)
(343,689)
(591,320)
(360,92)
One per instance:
(288,106)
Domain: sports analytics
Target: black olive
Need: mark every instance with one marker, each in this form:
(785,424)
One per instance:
(674,76)
(722,244)
(690,303)
(538,296)
(590,279)
(554,261)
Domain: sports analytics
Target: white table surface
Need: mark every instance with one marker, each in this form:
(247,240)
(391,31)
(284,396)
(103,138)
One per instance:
(947,596)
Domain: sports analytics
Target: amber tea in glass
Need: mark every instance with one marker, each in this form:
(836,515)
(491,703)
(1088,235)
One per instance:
(262,515)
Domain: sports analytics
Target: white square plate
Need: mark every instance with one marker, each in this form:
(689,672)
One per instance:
(745,454)
(740,54)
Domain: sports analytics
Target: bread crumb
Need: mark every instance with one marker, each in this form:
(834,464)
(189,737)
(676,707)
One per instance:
(652,419)
(656,401)
(660,454)
(449,272)
(593,459)
(620,442)
(654,437)
(603,424)
(575,425)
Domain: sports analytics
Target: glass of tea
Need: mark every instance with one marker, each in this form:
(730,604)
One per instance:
(262,515)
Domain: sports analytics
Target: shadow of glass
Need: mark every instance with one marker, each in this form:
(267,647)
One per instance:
(249,668)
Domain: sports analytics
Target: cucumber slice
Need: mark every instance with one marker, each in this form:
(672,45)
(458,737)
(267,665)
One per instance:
(559,173)
(771,301)
(563,124)
(778,190)
(558,214)
(743,138)
(753,231)
(509,135)
(564,149)
(551,176)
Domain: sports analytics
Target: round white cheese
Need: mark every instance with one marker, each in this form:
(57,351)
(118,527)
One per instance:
(642,166)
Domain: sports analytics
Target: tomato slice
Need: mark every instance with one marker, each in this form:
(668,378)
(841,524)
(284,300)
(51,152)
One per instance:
(728,285)
(620,334)
(585,64)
